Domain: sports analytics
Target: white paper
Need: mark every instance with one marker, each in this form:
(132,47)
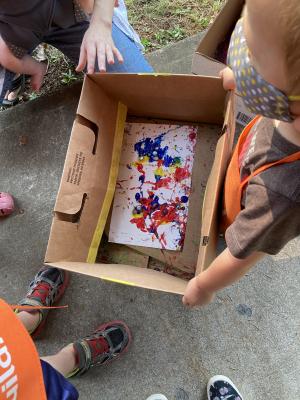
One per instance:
(153,187)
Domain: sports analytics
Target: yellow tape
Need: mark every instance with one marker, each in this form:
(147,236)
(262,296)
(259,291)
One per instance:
(294,98)
(117,281)
(154,73)
(113,174)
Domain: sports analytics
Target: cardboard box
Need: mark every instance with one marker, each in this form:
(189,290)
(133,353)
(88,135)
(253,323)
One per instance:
(91,167)
(210,56)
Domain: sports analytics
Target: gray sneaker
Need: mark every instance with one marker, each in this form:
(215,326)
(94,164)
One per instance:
(46,288)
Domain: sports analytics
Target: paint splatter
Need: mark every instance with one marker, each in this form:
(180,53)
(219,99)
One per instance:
(159,167)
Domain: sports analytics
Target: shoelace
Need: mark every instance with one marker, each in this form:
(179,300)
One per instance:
(41,291)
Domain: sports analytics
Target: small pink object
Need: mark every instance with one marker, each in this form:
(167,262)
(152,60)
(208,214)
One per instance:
(6,204)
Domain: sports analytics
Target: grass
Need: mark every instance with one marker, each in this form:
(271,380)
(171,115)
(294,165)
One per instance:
(161,22)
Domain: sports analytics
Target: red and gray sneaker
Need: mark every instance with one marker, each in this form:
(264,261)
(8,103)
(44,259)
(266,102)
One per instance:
(106,344)
(47,288)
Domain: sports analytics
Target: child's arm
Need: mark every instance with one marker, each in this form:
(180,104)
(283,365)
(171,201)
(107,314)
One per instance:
(26,65)
(223,271)
(97,42)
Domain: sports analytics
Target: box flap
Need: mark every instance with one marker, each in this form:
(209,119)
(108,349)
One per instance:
(213,194)
(222,25)
(173,97)
(127,275)
(87,182)
(205,65)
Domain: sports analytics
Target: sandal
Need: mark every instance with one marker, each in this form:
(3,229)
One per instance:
(46,289)
(17,87)
(106,344)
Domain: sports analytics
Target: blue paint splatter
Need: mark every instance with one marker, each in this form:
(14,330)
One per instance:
(151,148)
(184,199)
(169,161)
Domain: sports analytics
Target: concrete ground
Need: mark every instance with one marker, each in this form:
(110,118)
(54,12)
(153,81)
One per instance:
(250,332)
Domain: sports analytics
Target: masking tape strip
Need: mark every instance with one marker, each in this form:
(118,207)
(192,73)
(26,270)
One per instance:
(113,174)
(154,74)
(105,278)
(294,98)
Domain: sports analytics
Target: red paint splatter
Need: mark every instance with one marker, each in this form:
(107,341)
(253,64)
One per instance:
(181,174)
(162,239)
(161,183)
(192,136)
(140,168)
(140,223)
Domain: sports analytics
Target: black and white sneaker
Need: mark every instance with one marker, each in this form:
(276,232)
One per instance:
(220,387)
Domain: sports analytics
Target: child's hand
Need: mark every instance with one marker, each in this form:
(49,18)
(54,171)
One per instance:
(295,109)
(228,78)
(195,295)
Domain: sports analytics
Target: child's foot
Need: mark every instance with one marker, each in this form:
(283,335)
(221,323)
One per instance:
(47,288)
(220,387)
(106,344)
(6,204)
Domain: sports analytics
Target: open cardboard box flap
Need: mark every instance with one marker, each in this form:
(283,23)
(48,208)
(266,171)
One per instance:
(91,167)
(204,59)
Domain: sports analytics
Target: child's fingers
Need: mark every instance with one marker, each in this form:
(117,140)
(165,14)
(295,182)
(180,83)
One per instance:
(295,110)
(296,124)
(228,79)
(82,60)
(109,55)
(118,55)
(185,302)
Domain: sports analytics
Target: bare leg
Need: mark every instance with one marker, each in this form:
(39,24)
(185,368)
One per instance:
(29,320)
(64,361)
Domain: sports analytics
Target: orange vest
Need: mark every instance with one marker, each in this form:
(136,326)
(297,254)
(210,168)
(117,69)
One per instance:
(21,374)
(234,187)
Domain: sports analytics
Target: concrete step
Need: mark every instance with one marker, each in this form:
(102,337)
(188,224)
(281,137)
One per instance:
(175,58)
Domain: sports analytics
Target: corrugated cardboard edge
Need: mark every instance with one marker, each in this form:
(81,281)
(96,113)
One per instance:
(113,175)
(127,275)
(213,194)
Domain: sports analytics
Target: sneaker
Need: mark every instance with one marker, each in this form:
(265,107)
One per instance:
(47,288)
(220,387)
(106,344)
(157,397)
(6,204)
